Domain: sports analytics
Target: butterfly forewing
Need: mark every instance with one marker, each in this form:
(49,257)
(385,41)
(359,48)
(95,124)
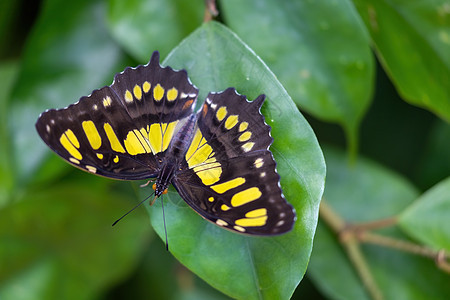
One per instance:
(122,131)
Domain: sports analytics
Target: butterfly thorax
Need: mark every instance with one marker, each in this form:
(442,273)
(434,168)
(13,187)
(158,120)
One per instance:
(175,154)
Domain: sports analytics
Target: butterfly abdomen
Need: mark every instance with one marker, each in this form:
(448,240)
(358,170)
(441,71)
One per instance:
(176,151)
(182,139)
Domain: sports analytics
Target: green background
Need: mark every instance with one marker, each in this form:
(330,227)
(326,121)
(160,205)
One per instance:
(368,81)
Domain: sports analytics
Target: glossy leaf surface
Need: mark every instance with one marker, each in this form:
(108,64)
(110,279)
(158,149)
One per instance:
(412,41)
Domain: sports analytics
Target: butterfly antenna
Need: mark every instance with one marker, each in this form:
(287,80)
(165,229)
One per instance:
(164,221)
(132,209)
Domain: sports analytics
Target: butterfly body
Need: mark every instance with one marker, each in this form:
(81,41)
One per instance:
(144,126)
(176,151)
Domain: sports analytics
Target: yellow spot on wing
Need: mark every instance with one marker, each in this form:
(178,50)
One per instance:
(100,156)
(243,126)
(193,157)
(135,143)
(146,86)
(209,173)
(155,138)
(221,113)
(113,140)
(72,138)
(137,92)
(70,142)
(228,185)
(239,228)
(259,162)
(211,199)
(231,121)
(200,157)
(245,196)
(245,136)
(92,134)
(168,131)
(256,213)
(224,207)
(91,169)
(116,159)
(172,94)
(107,101)
(252,222)
(248,146)
(75,161)
(128,96)
(158,92)
(159,136)
(221,222)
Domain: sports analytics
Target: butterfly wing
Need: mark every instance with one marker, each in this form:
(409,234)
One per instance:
(229,176)
(123,130)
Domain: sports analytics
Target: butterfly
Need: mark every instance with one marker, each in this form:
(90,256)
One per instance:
(143,126)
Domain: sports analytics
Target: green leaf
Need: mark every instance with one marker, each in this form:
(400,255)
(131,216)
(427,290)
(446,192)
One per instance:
(142,26)
(427,219)
(161,276)
(244,266)
(60,245)
(412,41)
(67,56)
(319,51)
(361,193)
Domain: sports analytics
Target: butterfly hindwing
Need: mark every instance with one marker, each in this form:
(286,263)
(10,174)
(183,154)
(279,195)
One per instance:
(229,176)
(234,124)
(122,130)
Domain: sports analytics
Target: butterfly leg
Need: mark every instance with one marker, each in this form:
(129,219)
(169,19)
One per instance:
(147,183)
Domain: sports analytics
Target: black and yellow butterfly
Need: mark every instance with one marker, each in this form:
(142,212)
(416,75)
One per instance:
(143,126)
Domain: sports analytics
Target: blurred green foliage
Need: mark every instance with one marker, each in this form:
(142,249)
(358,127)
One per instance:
(373,75)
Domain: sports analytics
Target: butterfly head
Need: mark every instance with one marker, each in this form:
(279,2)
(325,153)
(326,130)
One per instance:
(159,190)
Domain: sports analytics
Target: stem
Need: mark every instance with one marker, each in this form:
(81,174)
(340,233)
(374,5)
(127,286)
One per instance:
(333,220)
(352,248)
(210,10)
(361,233)
(374,224)
(440,256)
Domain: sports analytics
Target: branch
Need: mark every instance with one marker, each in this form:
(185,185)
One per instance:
(352,248)
(210,10)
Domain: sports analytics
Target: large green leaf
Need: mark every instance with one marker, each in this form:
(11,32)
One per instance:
(60,245)
(142,26)
(427,219)
(412,40)
(361,193)
(161,276)
(244,266)
(318,49)
(67,56)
